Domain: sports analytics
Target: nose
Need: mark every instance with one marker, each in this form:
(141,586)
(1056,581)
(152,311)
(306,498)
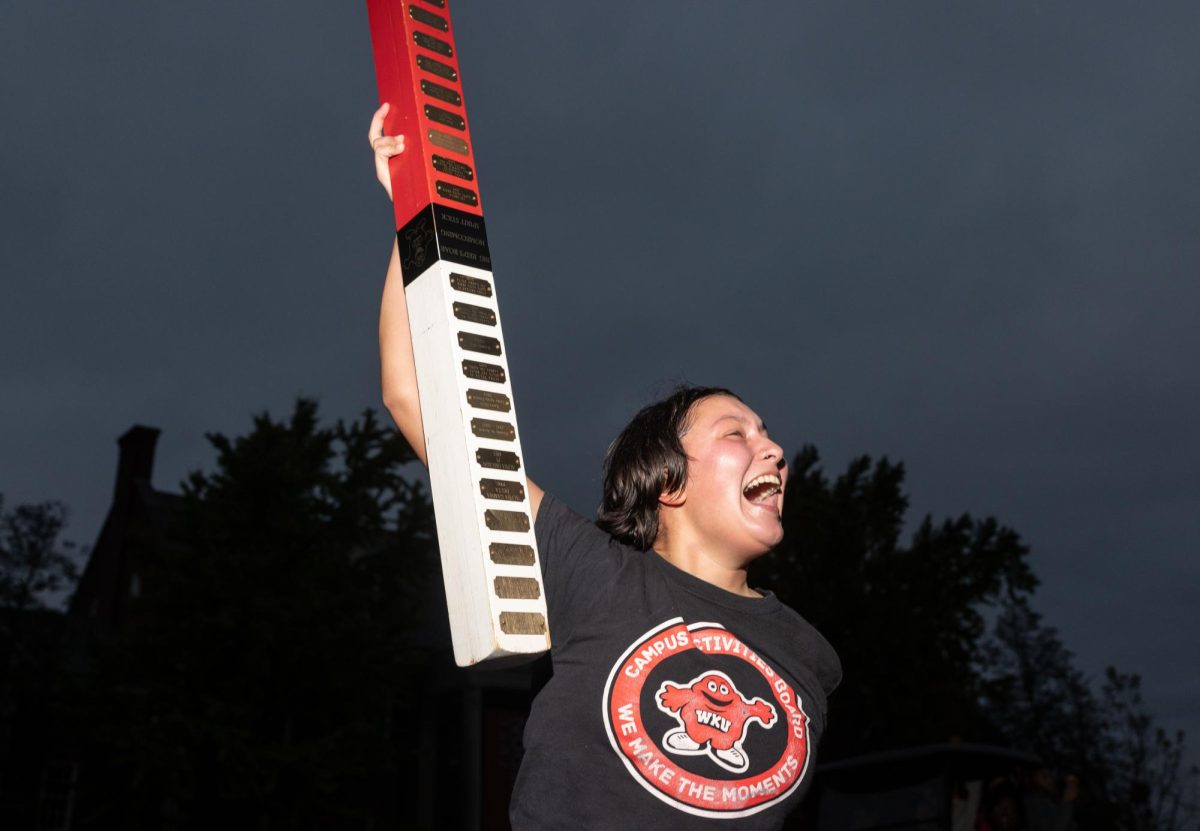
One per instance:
(772,451)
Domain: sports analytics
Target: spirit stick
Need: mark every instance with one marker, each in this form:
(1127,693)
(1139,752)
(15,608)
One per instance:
(489,557)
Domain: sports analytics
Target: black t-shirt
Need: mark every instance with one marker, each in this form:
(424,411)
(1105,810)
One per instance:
(674,703)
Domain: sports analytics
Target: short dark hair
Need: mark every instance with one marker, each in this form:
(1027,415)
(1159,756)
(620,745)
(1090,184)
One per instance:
(646,460)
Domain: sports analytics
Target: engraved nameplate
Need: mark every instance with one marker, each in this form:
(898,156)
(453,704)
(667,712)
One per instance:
(467,197)
(486,428)
(506,520)
(442,70)
(462,237)
(522,623)
(489,400)
(454,167)
(501,489)
(445,117)
(470,285)
(432,44)
(498,459)
(428,18)
(511,554)
(517,588)
(484,372)
(474,314)
(478,343)
(447,142)
(441,93)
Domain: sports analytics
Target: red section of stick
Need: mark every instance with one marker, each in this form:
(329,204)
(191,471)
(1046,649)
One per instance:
(403,33)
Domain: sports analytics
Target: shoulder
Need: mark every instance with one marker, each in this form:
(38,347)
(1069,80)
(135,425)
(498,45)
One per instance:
(582,565)
(556,525)
(573,545)
(813,650)
(553,513)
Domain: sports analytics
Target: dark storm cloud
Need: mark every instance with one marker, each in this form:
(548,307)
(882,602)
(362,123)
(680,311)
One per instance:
(962,235)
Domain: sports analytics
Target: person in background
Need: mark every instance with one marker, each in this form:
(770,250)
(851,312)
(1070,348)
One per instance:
(1001,808)
(1047,806)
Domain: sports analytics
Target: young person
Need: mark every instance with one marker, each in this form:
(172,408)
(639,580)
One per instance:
(681,697)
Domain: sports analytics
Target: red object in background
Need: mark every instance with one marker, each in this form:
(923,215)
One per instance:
(416,67)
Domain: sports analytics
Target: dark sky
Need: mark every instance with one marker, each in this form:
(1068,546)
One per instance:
(961,234)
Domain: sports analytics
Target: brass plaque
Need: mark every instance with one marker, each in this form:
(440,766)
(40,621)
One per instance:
(428,18)
(474,314)
(445,117)
(484,372)
(432,44)
(454,167)
(522,623)
(497,459)
(506,520)
(467,197)
(478,343)
(502,489)
(471,285)
(486,428)
(441,93)
(489,400)
(517,588)
(447,142)
(511,554)
(442,70)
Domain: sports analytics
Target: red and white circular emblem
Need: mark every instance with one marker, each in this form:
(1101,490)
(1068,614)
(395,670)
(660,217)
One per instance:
(704,723)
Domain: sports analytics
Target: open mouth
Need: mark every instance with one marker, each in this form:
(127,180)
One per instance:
(717,702)
(762,488)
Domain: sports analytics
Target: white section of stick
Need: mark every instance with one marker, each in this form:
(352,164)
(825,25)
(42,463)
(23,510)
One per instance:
(454,473)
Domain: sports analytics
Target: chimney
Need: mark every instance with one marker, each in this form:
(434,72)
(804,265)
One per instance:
(136,460)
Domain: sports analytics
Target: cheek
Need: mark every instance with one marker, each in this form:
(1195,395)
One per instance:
(717,482)
(728,467)
(715,472)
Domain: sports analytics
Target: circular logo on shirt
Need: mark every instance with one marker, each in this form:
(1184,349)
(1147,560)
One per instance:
(704,723)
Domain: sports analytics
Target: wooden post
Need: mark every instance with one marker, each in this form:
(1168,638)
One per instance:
(489,557)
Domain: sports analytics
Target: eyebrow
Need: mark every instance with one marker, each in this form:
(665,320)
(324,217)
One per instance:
(762,425)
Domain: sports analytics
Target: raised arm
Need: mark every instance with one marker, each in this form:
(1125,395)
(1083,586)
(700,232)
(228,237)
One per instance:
(398,371)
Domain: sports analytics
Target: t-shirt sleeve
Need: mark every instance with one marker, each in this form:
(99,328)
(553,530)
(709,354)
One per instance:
(818,655)
(828,666)
(578,562)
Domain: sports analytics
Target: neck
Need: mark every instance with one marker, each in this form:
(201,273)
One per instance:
(710,566)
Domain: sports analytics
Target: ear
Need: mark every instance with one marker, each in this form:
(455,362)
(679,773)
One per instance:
(673,499)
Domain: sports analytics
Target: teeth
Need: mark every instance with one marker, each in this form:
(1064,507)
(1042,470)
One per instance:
(763,487)
(763,480)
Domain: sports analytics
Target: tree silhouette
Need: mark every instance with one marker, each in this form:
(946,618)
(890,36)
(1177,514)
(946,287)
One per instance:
(939,642)
(907,620)
(36,565)
(1148,781)
(262,677)
(34,562)
(1132,772)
